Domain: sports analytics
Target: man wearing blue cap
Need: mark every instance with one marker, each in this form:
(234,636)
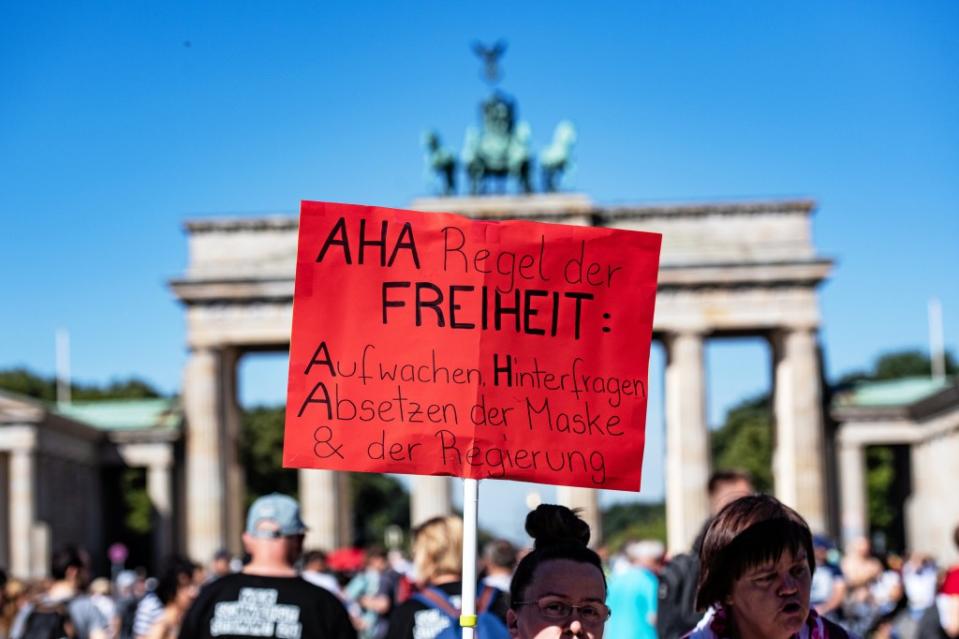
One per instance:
(268,598)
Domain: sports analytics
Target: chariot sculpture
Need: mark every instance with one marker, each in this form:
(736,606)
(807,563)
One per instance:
(498,150)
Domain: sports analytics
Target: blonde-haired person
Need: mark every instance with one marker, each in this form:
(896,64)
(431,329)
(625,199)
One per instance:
(437,568)
(101,596)
(438,550)
(15,594)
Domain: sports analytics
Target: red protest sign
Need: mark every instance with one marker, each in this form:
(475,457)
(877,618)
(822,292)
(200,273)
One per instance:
(433,344)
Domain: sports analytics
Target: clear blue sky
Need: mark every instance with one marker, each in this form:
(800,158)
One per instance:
(119,120)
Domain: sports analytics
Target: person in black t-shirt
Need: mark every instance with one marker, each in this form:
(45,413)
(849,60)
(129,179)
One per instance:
(268,599)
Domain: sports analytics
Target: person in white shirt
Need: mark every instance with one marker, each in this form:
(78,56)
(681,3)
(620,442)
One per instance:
(499,559)
(317,572)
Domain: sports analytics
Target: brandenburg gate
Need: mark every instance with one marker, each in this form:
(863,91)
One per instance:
(727,269)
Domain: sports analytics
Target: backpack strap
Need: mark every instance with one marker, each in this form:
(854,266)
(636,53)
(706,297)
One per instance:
(438,600)
(486,598)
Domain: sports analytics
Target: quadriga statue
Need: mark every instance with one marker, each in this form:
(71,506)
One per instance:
(499,150)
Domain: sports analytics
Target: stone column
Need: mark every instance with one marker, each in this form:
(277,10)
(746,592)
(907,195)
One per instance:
(946,515)
(4,508)
(798,464)
(160,491)
(933,509)
(687,440)
(22,511)
(233,478)
(40,549)
(322,501)
(157,458)
(344,511)
(205,491)
(852,486)
(587,501)
(921,503)
(429,497)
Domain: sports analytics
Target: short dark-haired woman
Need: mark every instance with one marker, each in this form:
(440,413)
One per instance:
(558,589)
(757,564)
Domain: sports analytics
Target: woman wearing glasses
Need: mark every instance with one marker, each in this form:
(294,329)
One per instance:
(558,589)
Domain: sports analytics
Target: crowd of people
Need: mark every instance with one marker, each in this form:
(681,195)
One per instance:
(755,571)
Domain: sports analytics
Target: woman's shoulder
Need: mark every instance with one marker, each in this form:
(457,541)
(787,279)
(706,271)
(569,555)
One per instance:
(710,625)
(818,628)
(835,631)
(701,632)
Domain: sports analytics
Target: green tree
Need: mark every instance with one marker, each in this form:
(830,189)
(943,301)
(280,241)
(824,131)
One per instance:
(378,502)
(896,365)
(745,441)
(633,521)
(132,388)
(261,454)
(25,382)
(912,363)
(139,511)
(880,475)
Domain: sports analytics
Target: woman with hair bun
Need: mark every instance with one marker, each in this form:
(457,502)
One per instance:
(757,564)
(559,588)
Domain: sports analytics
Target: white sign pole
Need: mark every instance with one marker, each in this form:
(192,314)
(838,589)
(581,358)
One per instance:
(470,508)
